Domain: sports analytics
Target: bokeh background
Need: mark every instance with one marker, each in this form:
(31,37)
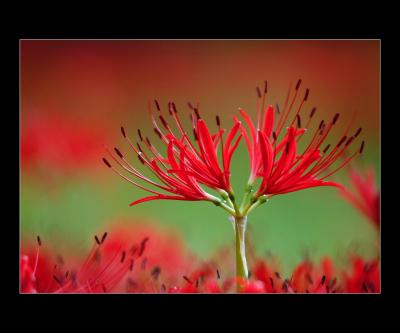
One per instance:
(75,95)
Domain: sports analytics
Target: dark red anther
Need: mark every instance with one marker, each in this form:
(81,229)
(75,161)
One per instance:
(118,152)
(57,279)
(158,132)
(143,246)
(131,265)
(323,279)
(335,118)
(271,280)
(169,108)
(155,272)
(321,124)
(364,285)
(350,140)
(139,147)
(321,131)
(157,105)
(326,148)
(97,240)
(187,279)
(265,87)
(218,275)
(190,106)
(106,162)
(141,159)
(313,112)
(341,141)
(277,275)
(287,148)
(104,237)
(362,147)
(148,141)
(195,134)
(298,121)
(298,84)
(140,135)
(197,113)
(39,241)
(274,135)
(309,279)
(358,132)
(164,122)
(123,131)
(218,121)
(123,256)
(306,95)
(173,108)
(258,92)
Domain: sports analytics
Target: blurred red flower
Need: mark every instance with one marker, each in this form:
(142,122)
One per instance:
(117,262)
(53,141)
(364,194)
(364,276)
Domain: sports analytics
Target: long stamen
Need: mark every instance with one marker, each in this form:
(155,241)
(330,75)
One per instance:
(285,113)
(129,180)
(39,241)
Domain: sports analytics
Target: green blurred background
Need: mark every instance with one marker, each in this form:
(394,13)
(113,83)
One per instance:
(75,95)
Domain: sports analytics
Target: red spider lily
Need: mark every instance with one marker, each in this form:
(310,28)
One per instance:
(268,274)
(135,259)
(102,270)
(277,161)
(307,278)
(165,261)
(188,165)
(364,278)
(366,196)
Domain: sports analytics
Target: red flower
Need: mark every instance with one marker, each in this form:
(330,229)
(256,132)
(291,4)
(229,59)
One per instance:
(269,275)
(135,259)
(307,278)
(187,164)
(364,278)
(102,270)
(277,161)
(366,196)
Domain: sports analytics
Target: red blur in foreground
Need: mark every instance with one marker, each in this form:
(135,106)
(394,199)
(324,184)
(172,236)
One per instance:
(306,278)
(124,260)
(140,259)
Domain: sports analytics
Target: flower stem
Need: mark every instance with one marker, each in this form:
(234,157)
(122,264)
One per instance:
(241,263)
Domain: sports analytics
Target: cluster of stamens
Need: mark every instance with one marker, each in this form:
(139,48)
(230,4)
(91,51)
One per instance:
(191,164)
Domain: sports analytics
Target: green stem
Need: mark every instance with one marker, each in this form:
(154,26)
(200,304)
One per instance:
(241,263)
